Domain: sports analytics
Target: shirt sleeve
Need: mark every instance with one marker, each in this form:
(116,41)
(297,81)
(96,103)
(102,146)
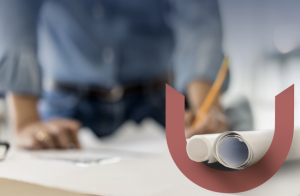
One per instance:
(198,41)
(19,68)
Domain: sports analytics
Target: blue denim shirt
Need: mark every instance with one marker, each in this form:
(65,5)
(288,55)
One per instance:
(107,42)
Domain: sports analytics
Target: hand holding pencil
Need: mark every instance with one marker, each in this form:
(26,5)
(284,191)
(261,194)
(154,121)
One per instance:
(213,122)
(209,118)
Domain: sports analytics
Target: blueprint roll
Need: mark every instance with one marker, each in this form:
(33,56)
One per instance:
(239,150)
(236,150)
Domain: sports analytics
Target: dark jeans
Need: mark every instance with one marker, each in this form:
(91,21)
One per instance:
(104,117)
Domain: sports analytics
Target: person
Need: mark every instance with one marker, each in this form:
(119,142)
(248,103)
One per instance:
(97,63)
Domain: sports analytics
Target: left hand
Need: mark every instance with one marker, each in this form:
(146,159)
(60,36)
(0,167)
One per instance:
(214,122)
(58,133)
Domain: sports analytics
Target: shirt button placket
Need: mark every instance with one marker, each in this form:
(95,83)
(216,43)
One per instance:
(108,54)
(98,11)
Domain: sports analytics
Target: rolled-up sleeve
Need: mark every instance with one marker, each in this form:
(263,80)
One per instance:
(19,68)
(198,51)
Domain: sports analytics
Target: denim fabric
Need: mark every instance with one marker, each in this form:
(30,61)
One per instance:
(101,116)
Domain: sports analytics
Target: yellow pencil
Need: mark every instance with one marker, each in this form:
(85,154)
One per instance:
(212,94)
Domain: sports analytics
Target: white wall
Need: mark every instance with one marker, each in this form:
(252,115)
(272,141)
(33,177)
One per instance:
(255,33)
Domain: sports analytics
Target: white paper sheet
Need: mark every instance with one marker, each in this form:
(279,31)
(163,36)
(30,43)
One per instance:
(147,176)
(236,150)
(145,169)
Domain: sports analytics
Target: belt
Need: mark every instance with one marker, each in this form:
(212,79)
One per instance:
(113,95)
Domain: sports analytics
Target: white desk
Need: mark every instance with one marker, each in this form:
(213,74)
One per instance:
(154,174)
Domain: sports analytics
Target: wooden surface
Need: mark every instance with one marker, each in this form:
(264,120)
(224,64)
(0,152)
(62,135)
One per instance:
(16,188)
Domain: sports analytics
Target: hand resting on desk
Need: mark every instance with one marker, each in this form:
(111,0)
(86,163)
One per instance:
(54,134)
(32,133)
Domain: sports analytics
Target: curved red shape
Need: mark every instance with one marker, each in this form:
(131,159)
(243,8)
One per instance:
(230,181)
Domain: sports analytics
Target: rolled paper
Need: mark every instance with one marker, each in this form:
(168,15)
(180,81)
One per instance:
(199,148)
(236,149)
(239,150)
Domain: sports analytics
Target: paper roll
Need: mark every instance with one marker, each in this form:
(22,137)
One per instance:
(236,150)
(200,148)
(239,150)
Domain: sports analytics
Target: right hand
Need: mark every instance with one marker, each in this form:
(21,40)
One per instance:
(214,122)
(54,134)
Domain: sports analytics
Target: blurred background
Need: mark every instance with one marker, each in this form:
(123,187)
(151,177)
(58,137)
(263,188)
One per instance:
(262,38)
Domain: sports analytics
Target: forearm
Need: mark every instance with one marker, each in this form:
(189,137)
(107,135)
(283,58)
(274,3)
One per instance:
(23,110)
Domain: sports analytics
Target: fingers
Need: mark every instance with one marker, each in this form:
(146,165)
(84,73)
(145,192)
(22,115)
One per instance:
(60,136)
(63,139)
(214,122)
(71,127)
(48,143)
(67,124)
(190,131)
(188,118)
(43,139)
(201,129)
(74,137)
(57,133)
(36,146)
(65,132)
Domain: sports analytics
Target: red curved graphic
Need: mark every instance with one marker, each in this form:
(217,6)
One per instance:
(230,181)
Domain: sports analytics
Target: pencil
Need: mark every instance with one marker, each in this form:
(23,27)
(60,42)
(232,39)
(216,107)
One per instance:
(212,94)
